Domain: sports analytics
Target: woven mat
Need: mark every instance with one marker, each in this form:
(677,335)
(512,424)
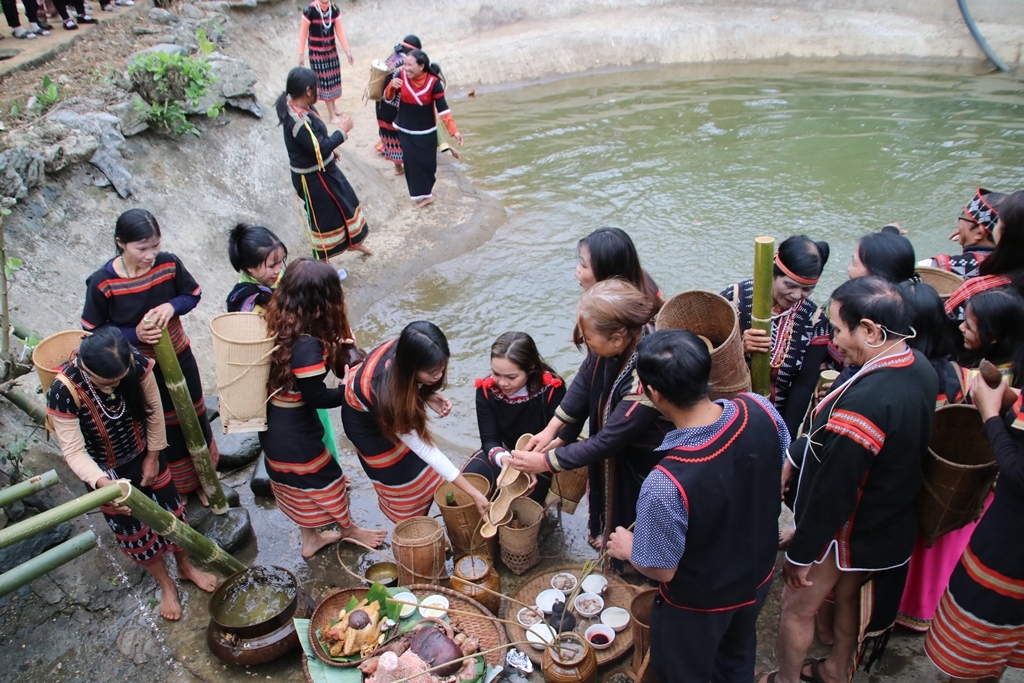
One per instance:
(618,594)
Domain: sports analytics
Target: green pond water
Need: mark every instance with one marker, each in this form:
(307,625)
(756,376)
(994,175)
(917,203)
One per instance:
(694,163)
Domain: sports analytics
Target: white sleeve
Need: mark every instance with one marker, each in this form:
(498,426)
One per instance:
(431,455)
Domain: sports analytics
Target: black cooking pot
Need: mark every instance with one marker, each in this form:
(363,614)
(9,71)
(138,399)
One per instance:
(229,617)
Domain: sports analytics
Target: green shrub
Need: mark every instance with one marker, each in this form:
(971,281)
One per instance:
(165,81)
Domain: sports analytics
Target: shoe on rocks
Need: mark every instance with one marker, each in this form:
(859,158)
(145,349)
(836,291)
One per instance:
(44,25)
(70,25)
(86,19)
(22,33)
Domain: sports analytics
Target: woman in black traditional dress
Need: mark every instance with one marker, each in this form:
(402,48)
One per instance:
(259,257)
(330,205)
(799,334)
(107,419)
(387,108)
(420,87)
(307,315)
(141,291)
(625,427)
(610,252)
(520,397)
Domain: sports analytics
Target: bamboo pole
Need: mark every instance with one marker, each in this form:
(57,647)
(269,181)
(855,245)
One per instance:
(61,513)
(28,487)
(161,521)
(761,314)
(190,427)
(26,404)
(26,572)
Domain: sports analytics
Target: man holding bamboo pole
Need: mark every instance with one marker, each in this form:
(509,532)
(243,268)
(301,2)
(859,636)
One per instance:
(706,520)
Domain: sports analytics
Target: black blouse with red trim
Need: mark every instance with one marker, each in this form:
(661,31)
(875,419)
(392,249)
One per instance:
(502,420)
(416,112)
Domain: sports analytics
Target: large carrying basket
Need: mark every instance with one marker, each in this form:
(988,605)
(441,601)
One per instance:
(378,79)
(958,472)
(241,357)
(419,548)
(52,352)
(943,281)
(711,316)
(567,488)
(519,548)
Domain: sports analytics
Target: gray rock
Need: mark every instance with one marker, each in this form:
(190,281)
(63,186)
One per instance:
(234,500)
(138,644)
(110,163)
(145,31)
(22,551)
(166,48)
(191,12)
(3,518)
(52,191)
(234,77)
(21,169)
(75,148)
(35,207)
(221,7)
(161,16)
(195,511)
(15,511)
(230,530)
(104,126)
(212,408)
(247,104)
(236,450)
(133,115)
(259,480)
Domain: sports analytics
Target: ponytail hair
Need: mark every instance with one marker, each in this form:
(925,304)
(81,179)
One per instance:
(107,354)
(249,246)
(432,68)
(300,79)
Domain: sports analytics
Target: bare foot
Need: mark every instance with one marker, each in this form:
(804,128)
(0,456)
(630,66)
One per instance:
(785,538)
(370,537)
(170,608)
(188,572)
(201,495)
(363,248)
(399,169)
(425,202)
(313,541)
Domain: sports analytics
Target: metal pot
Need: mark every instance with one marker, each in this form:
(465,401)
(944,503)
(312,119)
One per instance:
(229,648)
(227,612)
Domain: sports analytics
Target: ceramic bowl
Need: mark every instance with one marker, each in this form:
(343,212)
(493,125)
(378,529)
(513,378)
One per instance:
(546,599)
(616,618)
(384,573)
(407,610)
(595,583)
(540,635)
(572,581)
(522,616)
(434,606)
(595,601)
(599,630)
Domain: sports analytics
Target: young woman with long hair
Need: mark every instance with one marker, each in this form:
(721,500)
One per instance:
(308,317)
(519,397)
(385,418)
(259,257)
(143,291)
(108,421)
(610,252)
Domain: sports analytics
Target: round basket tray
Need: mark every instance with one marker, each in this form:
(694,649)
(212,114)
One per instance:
(490,633)
(617,594)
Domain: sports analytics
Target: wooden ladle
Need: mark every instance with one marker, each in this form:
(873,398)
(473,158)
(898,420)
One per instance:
(511,484)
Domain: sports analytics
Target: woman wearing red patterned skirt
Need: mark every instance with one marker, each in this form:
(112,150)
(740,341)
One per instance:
(321,30)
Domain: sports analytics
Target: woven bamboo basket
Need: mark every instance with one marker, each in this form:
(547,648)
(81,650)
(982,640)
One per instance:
(711,316)
(640,623)
(958,472)
(241,357)
(378,77)
(568,487)
(519,549)
(944,282)
(419,548)
(462,521)
(52,352)
(490,632)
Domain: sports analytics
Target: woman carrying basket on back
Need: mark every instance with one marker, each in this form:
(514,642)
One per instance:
(390,147)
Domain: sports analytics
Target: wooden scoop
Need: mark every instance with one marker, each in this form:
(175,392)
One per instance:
(488,529)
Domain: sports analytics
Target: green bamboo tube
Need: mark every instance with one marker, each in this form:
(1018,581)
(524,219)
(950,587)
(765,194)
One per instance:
(161,521)
(761,313)
(26,572)
(61,513)
(194,439)
(28,487)
(31,408)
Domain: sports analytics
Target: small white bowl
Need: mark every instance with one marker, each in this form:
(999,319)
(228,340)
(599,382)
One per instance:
(589,613)
(521,614)
(540,635)
(546,599)
(595,583)
(407,610)
(616,618)
(568,590)
(434,606)
(603,630)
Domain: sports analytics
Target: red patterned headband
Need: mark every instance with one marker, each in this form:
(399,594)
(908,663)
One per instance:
(805,281)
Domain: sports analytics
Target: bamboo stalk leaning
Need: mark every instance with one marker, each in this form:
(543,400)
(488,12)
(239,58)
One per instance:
(61,513)
(29,571)
(199,547)
(28,487)
(193,432)
(761,312)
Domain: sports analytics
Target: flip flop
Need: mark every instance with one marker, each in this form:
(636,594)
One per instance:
(766,678)
(815,675)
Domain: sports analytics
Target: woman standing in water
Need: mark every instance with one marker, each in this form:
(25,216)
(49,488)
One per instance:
(331,207)
(420,88)
(141,291)
(107,419)
(307,315)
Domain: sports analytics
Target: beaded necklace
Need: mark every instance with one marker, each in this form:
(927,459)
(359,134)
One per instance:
(325,18)
(118,411)
(782,334)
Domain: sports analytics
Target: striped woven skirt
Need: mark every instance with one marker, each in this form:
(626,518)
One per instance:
(141,544)
(323,59)
(390,145)
(332,211)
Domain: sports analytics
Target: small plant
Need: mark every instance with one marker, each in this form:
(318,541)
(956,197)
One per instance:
(47,96)
(205,46)
(165,81)
(13,453)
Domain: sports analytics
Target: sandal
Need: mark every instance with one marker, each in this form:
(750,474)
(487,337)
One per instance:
(815,675)
(22,33)
(70,25)
(767,678)
(87,19)
(44,25)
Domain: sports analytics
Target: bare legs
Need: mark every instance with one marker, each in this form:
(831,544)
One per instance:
(313,541)
(170,606)
(332,112)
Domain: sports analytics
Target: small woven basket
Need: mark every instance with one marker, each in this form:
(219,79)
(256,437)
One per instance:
(640,623)
(462,521)
(419,548)
(710,315)
(519,549)
(241,357)
(568,487)
(944,282)
(958,472)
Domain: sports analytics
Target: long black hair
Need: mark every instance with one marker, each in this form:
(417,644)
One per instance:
(935,333)
(300,79)
(613,254)
(107,354)
(802,256)
(409,43)
(249,246)
(1008,256)
(432,68)
(401,406)
(999,314)
(134,225)
(890,257)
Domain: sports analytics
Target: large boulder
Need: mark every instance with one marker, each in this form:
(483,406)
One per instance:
(133,114)
(236,450)
(233,87)
(230,530)
(259,480)
(25,550)
(21,169)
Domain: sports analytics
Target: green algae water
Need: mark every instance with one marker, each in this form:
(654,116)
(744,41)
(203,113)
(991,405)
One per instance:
(694,163)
